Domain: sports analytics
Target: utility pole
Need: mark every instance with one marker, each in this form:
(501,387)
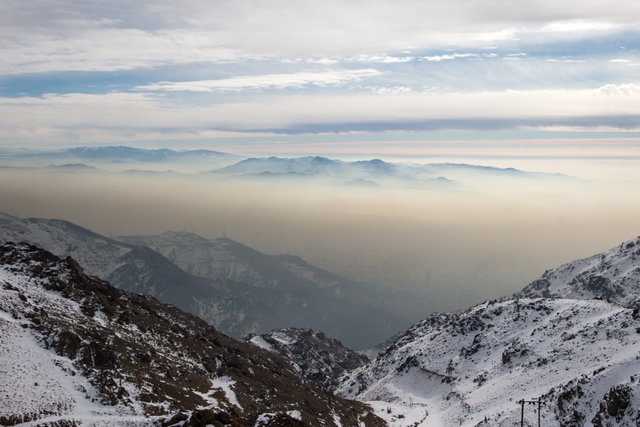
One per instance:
(531,402)
(539,405)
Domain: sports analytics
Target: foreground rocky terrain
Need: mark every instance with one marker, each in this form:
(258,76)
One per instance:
(76,350)
(577,355)
(580,357)
(319,358)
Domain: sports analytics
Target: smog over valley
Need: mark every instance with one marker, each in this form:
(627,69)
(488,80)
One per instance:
(337,213)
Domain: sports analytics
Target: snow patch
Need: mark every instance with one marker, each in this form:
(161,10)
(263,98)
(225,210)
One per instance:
(225,383)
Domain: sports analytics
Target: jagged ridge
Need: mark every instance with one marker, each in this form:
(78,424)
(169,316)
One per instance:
(613,275)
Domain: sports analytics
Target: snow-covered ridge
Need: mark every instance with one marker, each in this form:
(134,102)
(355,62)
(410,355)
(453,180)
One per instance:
(613,275)
(472,367)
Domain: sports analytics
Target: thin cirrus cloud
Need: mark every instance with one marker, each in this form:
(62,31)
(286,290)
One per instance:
(265,81)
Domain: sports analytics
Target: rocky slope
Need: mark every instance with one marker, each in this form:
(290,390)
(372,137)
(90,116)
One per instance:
(311,353)
(270,291)
(613,275)
(579,357)
(76,350)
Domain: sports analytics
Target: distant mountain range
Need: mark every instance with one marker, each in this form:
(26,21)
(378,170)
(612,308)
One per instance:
(229,285)
(371,172)
(76,351)
(374,173)
(128,154)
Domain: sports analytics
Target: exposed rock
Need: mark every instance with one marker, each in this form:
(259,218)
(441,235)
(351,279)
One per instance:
(319,358)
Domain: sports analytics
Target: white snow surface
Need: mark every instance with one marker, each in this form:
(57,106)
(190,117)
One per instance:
(224,384)
(613,275)
(36,384)
(260,342)
(463,368)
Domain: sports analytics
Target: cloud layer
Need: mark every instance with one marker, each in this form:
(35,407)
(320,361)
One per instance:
(77,71)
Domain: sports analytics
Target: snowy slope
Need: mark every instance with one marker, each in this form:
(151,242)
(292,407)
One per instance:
(76,350)
(581,357)
(613,275)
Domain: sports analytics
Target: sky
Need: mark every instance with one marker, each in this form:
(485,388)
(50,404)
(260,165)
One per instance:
(234,73)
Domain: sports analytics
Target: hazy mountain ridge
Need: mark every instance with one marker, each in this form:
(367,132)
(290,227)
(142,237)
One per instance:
(305,285)
(303,296)
(373,171)
(613,275)
(77,350)
(319,358)
(124,153)
(225,258)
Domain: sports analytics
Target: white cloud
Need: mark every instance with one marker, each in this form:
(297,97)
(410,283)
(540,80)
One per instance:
(577,26)
(47,35)
(383,59)
(118,116)
(111,49)
(438,58)
(265,81)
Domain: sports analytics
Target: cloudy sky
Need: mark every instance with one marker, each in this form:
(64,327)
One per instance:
(199,72)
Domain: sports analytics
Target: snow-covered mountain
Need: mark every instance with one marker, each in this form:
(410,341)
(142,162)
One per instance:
(75,350)
(311,353)
(254,293)
(613,275)
(579,357)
